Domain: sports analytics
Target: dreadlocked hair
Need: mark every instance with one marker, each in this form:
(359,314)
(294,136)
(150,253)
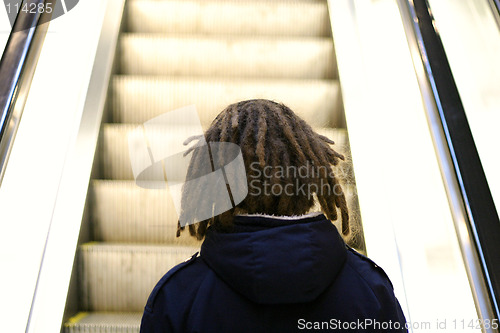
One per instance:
(275,143)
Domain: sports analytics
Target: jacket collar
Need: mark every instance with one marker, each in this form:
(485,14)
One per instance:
(276,260)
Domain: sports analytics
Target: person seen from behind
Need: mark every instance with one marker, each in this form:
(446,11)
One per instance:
(272,263)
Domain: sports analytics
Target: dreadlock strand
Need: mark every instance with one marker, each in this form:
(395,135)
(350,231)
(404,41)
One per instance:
(326,140)
(287,131)
(261,140)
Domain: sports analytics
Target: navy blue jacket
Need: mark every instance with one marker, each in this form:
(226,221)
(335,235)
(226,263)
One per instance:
(274,275)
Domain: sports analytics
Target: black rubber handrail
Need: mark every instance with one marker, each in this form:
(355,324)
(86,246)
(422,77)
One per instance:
(483,220)
(495,6)
(16,70)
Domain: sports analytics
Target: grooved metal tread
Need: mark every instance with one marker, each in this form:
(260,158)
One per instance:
(242,17)
(116,159)
(124,212)
(104,322)
(136,99)
(298,58)
(120,277)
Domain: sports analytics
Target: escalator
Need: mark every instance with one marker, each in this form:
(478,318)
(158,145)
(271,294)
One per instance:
(173,54)
(429,217)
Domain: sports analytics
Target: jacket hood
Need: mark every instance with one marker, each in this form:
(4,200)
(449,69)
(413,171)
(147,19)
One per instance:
(276,260)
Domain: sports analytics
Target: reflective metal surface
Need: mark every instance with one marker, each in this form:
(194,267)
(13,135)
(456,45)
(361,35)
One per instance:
(473,49)
(16,71)
(495,8)
(57,263)
(460,215)
(33,175)
(408,226)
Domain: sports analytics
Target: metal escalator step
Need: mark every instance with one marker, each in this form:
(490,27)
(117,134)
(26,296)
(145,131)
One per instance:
(122,211)
(120,277)
(297,58)
(137,99)
(104,322)
(116,160)
(278,18)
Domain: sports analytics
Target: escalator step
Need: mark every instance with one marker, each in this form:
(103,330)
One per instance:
(120,277)
(138,99)
(104,322)
(125,212)
(277,18)
(116,160)
(297,58)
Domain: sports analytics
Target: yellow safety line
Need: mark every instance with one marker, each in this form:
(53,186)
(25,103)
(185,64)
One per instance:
(79,316)
(84,245)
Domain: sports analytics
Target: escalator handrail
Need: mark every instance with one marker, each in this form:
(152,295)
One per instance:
(471,188)
(14,64)
(497,3)
(495,7)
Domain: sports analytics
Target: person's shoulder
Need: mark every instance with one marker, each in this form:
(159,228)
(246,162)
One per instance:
(168,303)
(373,277)
(368,271)
(173,281)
